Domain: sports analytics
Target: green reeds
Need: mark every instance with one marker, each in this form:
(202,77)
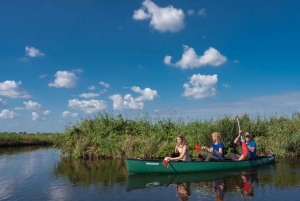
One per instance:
(14,139)
(115,136)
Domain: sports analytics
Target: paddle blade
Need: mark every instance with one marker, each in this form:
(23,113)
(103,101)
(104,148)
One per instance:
(197,148)
(244,149)
(165,163)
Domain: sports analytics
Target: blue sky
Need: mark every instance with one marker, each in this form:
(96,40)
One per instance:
(62,61)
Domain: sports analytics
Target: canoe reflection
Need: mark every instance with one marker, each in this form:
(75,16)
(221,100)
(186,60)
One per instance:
(248,184)
(146,181)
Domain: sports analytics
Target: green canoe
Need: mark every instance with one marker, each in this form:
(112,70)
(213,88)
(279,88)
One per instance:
(148,166)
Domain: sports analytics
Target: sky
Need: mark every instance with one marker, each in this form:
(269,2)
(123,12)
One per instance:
(62,61)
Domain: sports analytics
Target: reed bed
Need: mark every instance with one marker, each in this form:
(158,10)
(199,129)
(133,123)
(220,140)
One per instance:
(114,136)
(14,139)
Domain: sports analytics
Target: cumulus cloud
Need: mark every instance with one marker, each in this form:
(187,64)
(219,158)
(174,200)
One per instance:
(128,102)
(201,86)
(104,84)
(91,87)
(191,60)
(2,103)
(202,12)
(162,19)
(91,106)
(11,89)
(30,105)
(69,114)
(147,93)
(64,79)
(8,114)
(36,117)
(33,52)
(89,95)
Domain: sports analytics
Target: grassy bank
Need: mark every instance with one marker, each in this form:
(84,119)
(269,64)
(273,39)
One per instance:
(22,139)
(115,136)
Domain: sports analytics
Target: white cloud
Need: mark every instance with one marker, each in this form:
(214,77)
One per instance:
(190,12)
(47,112)
(104,84)
(79,70)
(33,52)
(226,85)
(162,19)
(2,103)
(69,114)
(30,105)
(8,114)
(11,89)
(64,79)
(147,93)
(191,60)
(140,15)
(201,86)
(36,117)
(91,106)
(91,87)
(236,61)
(43,76)
(128,102)
(202,12)
(89,95)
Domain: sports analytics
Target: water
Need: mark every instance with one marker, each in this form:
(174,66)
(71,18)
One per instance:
(34,173)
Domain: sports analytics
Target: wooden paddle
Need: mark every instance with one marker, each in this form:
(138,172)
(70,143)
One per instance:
(244,146)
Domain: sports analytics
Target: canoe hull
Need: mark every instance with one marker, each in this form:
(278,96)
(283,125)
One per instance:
(147,166)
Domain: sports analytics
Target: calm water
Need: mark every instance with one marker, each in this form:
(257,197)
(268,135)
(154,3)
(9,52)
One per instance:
(41,174)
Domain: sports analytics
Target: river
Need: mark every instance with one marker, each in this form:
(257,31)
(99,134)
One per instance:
(41,173)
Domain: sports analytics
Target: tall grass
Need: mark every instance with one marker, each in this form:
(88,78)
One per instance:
(14,139)
(115,136)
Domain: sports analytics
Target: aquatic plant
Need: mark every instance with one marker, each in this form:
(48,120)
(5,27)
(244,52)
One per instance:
(115,136)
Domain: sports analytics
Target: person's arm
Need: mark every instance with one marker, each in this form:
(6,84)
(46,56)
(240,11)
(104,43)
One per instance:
(252,149)
(236,140)
(220,152)
(181,155)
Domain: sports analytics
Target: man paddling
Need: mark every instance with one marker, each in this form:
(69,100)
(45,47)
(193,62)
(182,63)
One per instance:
(251,148)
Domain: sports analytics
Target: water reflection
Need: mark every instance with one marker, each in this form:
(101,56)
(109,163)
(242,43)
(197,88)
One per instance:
(219,188)
(41,174)
(249,182)
(183,190)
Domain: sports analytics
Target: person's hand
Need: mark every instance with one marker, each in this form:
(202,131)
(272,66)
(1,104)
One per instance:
(167,159)
(240,132)
(205,147)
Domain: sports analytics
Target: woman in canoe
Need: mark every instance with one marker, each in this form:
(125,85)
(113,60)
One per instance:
(182,148)
(251,148)
(217,149)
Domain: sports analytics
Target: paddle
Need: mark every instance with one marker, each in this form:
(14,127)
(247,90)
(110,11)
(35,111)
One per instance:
(197,148)
(244,146)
